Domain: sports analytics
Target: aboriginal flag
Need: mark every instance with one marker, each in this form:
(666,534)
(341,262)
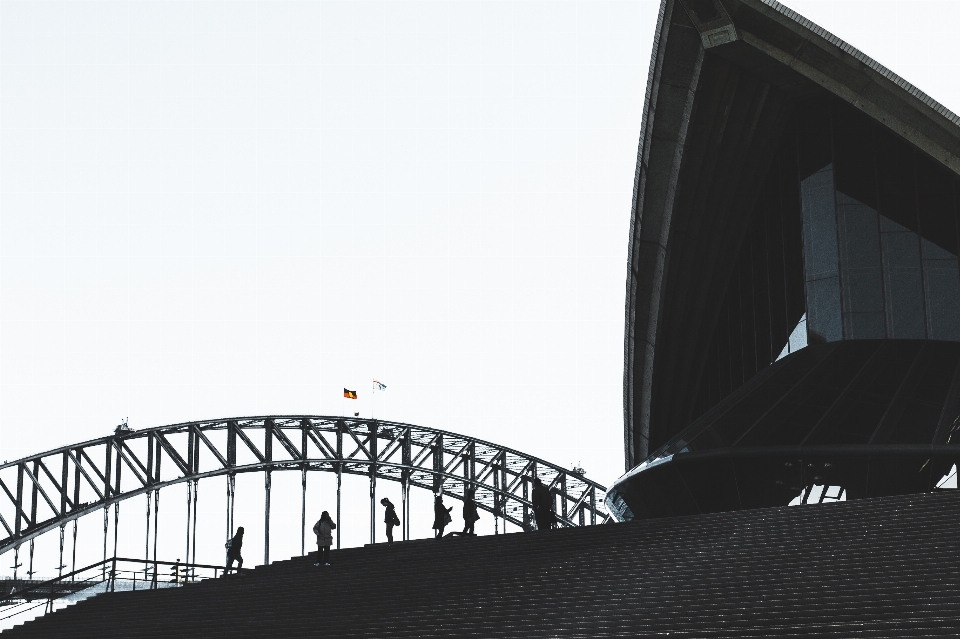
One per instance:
(349,394)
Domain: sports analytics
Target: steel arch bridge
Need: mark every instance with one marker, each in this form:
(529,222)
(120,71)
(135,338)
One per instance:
(47,491)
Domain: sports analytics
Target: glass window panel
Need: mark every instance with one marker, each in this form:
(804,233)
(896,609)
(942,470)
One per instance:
(938,227)
(791,224)
(819,225)
(904,288)
(864,325)
(820,257)
(860,266)
(823,311)
(941,279)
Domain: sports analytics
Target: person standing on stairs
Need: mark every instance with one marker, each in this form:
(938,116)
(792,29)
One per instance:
(234,546)
(441,515)
(389,518)
(542,500)
(324,530)
(470,514)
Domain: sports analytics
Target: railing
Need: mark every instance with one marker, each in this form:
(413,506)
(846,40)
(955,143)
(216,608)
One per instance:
(157,574)
(44,492)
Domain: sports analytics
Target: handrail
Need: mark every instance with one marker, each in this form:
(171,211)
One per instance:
(111,561)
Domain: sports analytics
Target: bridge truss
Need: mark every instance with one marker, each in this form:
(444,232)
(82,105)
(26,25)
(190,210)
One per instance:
(50,490)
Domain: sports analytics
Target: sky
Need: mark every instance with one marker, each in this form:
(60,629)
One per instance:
(213,209)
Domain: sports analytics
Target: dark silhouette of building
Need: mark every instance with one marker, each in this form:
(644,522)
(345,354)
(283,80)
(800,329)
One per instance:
(793,291)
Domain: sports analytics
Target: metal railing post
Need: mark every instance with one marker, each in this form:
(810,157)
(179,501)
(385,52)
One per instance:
(339,476)
(373,481)
(268,453)
(189,501)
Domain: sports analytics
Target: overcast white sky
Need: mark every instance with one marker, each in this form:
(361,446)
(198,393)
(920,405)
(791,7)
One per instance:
(213,209)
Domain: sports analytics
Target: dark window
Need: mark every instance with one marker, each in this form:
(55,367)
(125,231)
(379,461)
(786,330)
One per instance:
(938,248)
(860,271)
(904,288)
(820,257)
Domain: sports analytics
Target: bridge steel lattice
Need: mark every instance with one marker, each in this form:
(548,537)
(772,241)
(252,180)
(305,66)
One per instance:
(47,491)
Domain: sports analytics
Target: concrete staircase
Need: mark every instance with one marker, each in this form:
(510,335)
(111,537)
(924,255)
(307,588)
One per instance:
(885,567)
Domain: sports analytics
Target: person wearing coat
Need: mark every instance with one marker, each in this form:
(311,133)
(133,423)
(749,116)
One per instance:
(542,510)
(389,518)
(470,514)
(324,531)
(441,515)
(234,546)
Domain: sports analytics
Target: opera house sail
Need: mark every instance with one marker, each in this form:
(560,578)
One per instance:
(793,292)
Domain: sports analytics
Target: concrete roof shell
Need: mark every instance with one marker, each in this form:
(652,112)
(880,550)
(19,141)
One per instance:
(724,77)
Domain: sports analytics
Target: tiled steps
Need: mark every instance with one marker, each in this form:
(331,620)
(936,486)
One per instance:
(871,568)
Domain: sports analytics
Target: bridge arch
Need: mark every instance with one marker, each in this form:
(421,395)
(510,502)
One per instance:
(46,491)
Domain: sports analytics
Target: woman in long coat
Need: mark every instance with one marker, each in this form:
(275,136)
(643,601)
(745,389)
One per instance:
(441,515)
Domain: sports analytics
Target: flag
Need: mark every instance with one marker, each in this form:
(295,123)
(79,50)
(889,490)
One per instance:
(349,394)
(380,385)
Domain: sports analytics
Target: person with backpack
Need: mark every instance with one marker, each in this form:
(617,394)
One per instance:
(389,518)
(324,530)
(234,546)
(470,514)
(441,515)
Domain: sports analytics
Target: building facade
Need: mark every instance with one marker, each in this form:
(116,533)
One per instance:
(793,292)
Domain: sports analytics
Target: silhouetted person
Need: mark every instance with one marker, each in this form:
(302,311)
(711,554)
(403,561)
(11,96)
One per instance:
(542,510)
(441,516)
(234,546)
(324,529)
(470,514)
(389,518)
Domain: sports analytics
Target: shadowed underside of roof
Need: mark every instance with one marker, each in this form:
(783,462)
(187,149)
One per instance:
(727,78)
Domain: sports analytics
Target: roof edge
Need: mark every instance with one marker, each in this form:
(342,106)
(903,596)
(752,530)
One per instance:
(860,56)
